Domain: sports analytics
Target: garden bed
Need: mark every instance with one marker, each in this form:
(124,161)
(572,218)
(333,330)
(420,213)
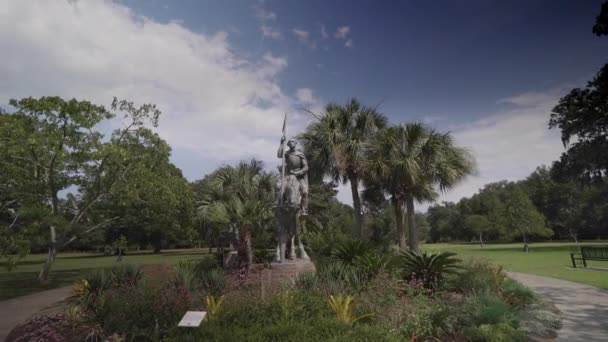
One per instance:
(345,300)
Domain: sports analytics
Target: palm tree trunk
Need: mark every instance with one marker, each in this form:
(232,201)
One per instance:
(411,224)
(399,221)
(246,244)
(354,188)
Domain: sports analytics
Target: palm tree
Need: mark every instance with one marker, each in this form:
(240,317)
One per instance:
(240,199)
(409,162)
(334,144)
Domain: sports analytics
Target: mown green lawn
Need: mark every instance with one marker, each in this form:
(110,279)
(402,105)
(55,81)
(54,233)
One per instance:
(69,267)
(546,259)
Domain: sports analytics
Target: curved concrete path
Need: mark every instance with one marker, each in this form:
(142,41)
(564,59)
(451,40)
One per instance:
(17,310)
(584,308)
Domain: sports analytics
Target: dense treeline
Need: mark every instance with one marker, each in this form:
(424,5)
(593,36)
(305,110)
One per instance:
(538,207)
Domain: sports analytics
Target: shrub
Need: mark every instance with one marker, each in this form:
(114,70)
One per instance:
(516,294)
(73,316)
(185,276)
(347,251)
(478,276)
(428,317)
(430,268)
(124,275)
(264,256)
(133,311)
(343,307)
(382,298)
(213,282)
(209,263)
(337,277)
(501,332)
(489,309)
(372,263)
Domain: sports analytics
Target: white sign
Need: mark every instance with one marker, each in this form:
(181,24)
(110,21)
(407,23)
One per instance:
(192,319)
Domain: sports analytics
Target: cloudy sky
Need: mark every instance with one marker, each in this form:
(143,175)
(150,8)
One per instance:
(224,72)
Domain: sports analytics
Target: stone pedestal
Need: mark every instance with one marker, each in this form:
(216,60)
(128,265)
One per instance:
(286,272)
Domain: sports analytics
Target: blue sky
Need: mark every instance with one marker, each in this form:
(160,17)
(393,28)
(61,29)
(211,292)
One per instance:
(223,72)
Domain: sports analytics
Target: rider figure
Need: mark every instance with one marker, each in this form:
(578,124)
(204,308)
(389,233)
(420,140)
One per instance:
(296,164)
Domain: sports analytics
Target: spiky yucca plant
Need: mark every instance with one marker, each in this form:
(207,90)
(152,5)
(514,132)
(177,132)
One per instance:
(343,307)
(429,268)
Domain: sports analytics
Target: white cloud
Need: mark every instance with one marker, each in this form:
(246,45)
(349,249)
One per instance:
(266,18)
(304,38)
(302,35)
(217,105)
(263,14)
(349,43)
(305,96)
(510,144)
(324,33)
(342,32)
(270,32)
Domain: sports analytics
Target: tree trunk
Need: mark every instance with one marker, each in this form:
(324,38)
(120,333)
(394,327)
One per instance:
(247,251)
(399,222)
(480,240)
(411,224)
(354,188)
(46,267)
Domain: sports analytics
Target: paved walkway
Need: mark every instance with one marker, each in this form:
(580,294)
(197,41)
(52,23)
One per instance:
(584,308)
(15,311)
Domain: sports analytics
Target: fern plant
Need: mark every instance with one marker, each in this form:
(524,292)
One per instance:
(343,307)
(428,268)
(214,306)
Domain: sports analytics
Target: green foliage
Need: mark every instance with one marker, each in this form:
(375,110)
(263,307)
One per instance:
(208,263)
(347,251)
(582,116)
(501,332)
(429,318)
(477,277)
(430,268)
(50,145)
(343,308)
(131,311)
(486,308)
(213,282)
(409,162)
(515,294)
(74,316)
(334,145)
(500,211)
(185,276)
(125,275)
(238,198)
(264,256)
(373,263)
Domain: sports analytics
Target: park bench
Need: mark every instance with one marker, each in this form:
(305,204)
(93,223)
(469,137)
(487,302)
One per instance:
(590,253)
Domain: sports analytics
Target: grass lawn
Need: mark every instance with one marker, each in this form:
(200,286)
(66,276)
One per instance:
(69,267)
(546,259)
